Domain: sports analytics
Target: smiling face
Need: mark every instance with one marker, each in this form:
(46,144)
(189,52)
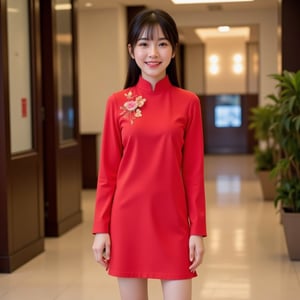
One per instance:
(152,53)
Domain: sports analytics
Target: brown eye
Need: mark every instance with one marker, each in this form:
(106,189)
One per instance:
(163,44)
(142,44)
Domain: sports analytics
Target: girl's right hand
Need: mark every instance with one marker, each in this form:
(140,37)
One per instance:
(101,248)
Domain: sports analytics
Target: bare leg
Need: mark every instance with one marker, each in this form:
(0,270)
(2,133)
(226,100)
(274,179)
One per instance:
(177,289)
(133,288)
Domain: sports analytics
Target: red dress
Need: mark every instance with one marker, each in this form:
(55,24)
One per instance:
(150,193)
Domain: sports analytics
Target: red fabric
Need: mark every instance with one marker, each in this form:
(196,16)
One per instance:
(150,194)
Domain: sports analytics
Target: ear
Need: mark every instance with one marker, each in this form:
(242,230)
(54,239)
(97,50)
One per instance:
(174,51)
(130,50)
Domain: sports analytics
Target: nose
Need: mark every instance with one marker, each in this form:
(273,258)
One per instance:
(153,51)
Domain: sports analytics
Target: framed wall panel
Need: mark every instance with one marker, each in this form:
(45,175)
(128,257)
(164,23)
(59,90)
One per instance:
(21,152)
(62,147)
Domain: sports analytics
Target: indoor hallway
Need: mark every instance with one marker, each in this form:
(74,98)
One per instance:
(246,256)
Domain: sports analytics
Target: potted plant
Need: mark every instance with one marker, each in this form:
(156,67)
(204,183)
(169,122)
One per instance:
(286,126)
(265,152)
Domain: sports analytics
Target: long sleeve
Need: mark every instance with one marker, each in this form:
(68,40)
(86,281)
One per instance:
(110,156)
(193,170)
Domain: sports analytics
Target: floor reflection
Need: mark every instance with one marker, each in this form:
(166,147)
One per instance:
(226,184)
(231,288)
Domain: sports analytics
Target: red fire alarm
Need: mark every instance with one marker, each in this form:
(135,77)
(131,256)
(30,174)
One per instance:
(24,107)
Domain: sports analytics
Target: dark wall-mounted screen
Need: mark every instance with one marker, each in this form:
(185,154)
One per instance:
(228,111)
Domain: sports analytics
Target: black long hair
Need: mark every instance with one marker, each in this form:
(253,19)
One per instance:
(148,19)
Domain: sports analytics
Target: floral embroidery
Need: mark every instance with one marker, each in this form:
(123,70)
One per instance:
(131,109)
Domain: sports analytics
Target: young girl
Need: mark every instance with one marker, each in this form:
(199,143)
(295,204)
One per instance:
(150,204)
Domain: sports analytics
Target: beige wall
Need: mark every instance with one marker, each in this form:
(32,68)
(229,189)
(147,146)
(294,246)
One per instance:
(194,66)
(102,62)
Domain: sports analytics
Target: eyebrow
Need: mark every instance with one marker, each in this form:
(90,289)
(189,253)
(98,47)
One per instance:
(147,39)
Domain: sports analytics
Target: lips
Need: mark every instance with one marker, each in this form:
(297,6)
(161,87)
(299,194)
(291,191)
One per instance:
(153,63)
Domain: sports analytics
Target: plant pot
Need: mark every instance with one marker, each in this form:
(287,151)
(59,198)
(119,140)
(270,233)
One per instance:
(268,185)
(291,225)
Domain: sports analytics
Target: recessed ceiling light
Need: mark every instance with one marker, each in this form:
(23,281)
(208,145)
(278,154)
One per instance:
(223,28)
(209,33)
(62,6)
(12,10)
(88,4)
(207,1)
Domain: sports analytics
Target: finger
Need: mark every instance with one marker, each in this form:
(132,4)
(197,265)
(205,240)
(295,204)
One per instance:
(107,251)
(192,253)
(98,257)
(197,261)
(98,254)
(194,265)
(103,262)
(200,255)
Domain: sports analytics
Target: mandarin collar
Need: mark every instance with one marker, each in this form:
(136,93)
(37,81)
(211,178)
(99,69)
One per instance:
(161,85)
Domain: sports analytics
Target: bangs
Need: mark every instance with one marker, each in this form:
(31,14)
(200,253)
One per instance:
(146,23)
(149,30)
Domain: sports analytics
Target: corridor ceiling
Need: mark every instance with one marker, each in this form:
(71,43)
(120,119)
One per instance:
(187,33)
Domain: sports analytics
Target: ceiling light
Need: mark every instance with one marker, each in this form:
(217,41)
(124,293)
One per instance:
(207,1)
(223,28)
(12,10)
(62,6)
(88,4)
(236,32)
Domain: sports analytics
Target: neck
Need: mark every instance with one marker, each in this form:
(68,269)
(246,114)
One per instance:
(154,81)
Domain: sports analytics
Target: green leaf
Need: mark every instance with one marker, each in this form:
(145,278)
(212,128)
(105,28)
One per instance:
(297,123)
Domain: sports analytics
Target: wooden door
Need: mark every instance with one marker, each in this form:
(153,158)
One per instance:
(61,132)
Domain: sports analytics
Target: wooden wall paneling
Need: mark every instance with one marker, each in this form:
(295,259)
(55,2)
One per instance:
(89,158)
(290,32)
(21,180)
(231,140)
(4,143)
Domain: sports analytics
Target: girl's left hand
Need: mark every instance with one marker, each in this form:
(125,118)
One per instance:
(196,249)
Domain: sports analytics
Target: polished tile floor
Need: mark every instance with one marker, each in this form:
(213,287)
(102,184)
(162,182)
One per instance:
(246,256)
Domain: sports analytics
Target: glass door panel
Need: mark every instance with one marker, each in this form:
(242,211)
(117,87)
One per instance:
(64,55)
(20,97)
